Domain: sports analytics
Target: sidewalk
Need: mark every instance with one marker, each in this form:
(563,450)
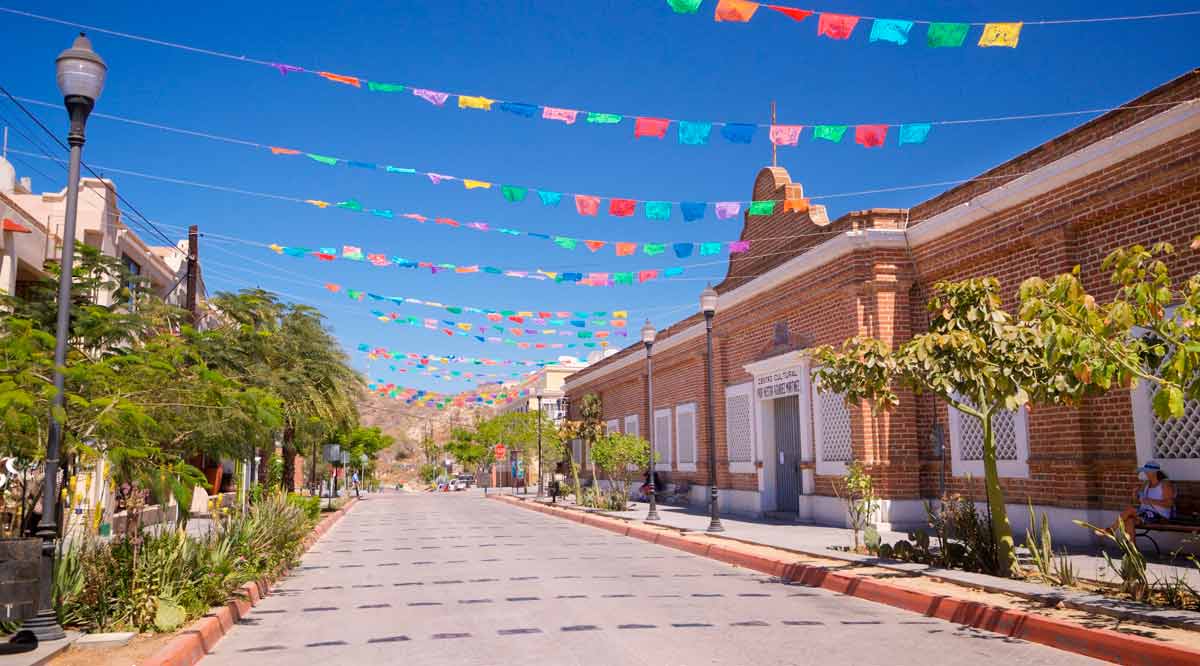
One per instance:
(819,540)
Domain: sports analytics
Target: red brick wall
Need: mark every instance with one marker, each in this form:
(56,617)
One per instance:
(1079,457)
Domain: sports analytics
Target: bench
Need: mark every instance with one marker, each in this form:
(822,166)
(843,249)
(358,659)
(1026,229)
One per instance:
(1186,522)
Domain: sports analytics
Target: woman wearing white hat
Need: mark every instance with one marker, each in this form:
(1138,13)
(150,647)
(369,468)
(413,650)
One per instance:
(1154,502)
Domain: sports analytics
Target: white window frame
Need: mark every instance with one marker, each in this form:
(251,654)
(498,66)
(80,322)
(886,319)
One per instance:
(1182,469)
(741,466)
(1012,469)
(687,410)
(613,426)
(825,467)
(634,430)
(664,465)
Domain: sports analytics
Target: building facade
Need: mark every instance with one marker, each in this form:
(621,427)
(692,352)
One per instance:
(1129,176)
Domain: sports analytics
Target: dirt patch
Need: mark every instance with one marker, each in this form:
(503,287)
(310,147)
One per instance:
(134,652)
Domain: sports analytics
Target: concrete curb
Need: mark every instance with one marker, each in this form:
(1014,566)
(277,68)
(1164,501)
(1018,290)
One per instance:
(196,641)
(1097,643)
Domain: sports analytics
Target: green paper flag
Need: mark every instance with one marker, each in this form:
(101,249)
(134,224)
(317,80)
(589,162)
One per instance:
(710,248)
(946,34)
(350,205)
(513,193)
(454,309)
(658,210)
(384,87)
(652,249)
(685,6)
(829,132)
(604,118)
(564,243)
(622,278)
(762,208)
(322,159)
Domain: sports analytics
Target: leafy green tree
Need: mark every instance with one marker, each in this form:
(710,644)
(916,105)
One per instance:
(1089,337)
(978,359)
(621,457)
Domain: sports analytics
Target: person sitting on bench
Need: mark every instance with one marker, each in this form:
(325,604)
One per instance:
(1154,502)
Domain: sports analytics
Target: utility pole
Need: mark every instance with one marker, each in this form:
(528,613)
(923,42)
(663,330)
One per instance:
(193,270)
(774,148)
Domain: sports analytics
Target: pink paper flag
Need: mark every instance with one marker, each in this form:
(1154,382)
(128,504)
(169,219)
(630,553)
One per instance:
(836,26)
(437,178)
(727,209)
(871,136)
(432,96)
(647,275)
(415,216)
(737,247)
(587,205)
(566,115)
(785,135)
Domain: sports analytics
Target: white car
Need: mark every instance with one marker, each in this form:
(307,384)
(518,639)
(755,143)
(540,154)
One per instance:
(460,484)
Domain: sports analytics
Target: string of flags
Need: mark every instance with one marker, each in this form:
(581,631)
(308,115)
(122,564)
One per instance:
(585,204)
(557,318)
(938,34)
(423,398)
(596,338)
(682,250)
(414,358)
(382,261)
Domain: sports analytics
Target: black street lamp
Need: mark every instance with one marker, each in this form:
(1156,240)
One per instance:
(80,74)
(708,305)
(539,435)
(648,334)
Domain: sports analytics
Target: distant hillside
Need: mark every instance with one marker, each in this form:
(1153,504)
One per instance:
(408,426)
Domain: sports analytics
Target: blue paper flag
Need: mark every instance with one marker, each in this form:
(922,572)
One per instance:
(578,324)
(683,250)
(694,133)
(534,234)
(549,198)
(692,210)
(519,109)
(738,132)
(673,271)
(392,169)
(914,133)
(361,165)
(890,30)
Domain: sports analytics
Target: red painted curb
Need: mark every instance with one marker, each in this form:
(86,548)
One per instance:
(193,643)
(1103,644)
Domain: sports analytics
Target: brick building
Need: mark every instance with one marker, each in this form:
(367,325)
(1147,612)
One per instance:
(1129,176)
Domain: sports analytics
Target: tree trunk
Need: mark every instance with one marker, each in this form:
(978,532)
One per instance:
(289,459)
(1001,529)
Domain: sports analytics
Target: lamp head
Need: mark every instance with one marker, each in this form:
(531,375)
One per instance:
(708,300)
(648,332)
(80,71)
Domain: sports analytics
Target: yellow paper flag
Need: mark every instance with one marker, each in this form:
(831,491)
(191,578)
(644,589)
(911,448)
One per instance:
(464,326)
(1001,34)
(318,203)
(621,314)
(472,184)
(469,102)
(277,249)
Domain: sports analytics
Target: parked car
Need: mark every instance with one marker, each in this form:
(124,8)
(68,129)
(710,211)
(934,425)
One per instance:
(460,484)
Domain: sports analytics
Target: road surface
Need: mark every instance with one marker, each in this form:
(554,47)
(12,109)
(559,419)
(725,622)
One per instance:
(456,579)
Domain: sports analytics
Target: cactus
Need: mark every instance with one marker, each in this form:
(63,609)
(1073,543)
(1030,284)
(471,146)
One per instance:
(885,551)
(903,550)
(871,538)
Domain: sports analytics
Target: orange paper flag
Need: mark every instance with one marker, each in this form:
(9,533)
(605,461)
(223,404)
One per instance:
(594,245)
(738,11)
(283,151)
(333,288)
(795,205)
(348,80)
(626,249)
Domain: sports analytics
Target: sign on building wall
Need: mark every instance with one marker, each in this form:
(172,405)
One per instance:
(778,384)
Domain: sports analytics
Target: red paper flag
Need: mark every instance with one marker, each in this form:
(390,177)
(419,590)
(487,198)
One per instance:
(626,249)
(738,11)
(621,207)
(871,136)
(446,221)
(592,245)
(836,26)
(655,127)
(644,276)
(587,205)
(795,14)
(544,315)
(516,319)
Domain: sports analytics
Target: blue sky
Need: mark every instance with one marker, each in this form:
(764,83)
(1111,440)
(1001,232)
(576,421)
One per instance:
(634,57)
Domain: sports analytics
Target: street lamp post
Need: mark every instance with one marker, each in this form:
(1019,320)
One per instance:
(541,473)
(80,74)
(708,305)
(648,333)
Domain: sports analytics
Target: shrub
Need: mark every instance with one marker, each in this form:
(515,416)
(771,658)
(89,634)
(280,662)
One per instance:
(310,505)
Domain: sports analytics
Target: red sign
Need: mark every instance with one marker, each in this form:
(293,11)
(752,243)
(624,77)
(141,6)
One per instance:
(499,451)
